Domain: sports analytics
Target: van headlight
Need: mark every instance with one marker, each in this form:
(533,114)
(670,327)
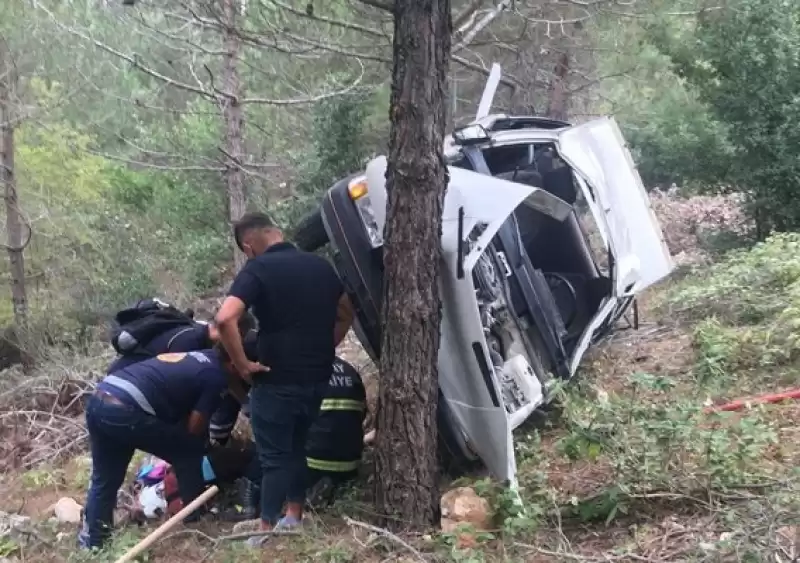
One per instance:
(360,196)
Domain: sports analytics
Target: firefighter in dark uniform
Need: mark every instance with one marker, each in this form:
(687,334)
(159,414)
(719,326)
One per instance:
(336,440)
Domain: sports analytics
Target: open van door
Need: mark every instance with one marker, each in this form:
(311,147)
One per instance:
(606,173)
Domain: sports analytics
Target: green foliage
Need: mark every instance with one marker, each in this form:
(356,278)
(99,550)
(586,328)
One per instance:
(105,235)
(673,136)
(748,307)
(339,148)
(744,63)
(676,140)
(8,547)
(603,507)
(659,442)
(749,286)
(337,139)
(716,347)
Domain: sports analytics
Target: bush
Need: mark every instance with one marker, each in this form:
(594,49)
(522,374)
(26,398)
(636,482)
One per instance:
(106,235)
(339,149)
(742,62)
(747,287)
(655,441)
(748,306)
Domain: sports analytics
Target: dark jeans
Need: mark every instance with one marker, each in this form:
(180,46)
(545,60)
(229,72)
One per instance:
(281,416)
(313,476)
(115,432)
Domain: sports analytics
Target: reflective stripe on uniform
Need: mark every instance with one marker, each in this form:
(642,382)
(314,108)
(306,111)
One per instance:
(342,405)
(334,466)
(131,390)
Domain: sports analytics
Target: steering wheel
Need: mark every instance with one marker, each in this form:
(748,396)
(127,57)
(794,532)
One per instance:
(556,282)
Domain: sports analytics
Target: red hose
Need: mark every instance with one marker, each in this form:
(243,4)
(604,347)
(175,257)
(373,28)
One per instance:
(760,399)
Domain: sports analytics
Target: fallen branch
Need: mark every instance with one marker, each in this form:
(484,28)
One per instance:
(387,534)
(256,534)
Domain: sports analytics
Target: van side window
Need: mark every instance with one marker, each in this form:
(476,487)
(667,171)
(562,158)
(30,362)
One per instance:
(591,232)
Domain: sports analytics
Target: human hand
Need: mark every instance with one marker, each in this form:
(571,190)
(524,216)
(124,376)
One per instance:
(248,370)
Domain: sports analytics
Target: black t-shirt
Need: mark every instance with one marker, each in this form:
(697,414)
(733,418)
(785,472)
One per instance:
(171,386)
(294,296)
(180,339)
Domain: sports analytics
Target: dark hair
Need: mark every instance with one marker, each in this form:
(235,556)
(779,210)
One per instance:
(248,222)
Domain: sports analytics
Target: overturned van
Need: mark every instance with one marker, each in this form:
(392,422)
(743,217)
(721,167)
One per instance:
(523,291)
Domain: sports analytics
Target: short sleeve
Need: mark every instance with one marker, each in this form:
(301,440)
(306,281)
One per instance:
(214,385)
(246,286)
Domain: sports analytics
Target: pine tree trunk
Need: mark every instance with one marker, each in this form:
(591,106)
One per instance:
(15,235)
(558,97)
(233,117)
(406,463)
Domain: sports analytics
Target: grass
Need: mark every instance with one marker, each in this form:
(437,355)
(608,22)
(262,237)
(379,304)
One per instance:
(631,467)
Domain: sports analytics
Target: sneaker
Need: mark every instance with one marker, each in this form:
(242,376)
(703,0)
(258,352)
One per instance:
(257,541)
(83,534)
(288,523)
(284,524)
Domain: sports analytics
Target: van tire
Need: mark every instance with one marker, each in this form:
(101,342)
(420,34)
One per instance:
(310,234)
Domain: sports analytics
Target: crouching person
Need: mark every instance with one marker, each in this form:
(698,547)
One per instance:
(335,441)
(161,406)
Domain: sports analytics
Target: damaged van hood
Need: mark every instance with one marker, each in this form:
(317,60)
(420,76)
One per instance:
(475,206)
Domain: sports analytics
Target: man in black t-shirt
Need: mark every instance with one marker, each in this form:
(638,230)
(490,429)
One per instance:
(161,406)
(302,313)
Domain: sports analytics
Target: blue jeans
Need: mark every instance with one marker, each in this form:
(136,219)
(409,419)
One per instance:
(281,416)
(115,432)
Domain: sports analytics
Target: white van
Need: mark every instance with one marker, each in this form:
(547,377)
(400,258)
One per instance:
(523,294)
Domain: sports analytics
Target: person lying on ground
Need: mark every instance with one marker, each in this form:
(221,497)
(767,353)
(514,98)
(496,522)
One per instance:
(160,406)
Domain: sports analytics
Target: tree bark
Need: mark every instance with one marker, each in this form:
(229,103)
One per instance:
(557,99)
(15,236)
(406,464)
(233,117)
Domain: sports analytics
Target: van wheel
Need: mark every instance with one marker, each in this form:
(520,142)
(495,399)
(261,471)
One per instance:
(310,235)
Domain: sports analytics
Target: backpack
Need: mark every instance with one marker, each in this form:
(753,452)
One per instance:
(133,328)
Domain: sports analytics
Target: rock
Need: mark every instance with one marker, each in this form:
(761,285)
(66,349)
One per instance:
(13,524)
(464,506)
(15,529)
(67,511)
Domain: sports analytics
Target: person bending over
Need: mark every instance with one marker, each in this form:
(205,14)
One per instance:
(161,406)
(158,328)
